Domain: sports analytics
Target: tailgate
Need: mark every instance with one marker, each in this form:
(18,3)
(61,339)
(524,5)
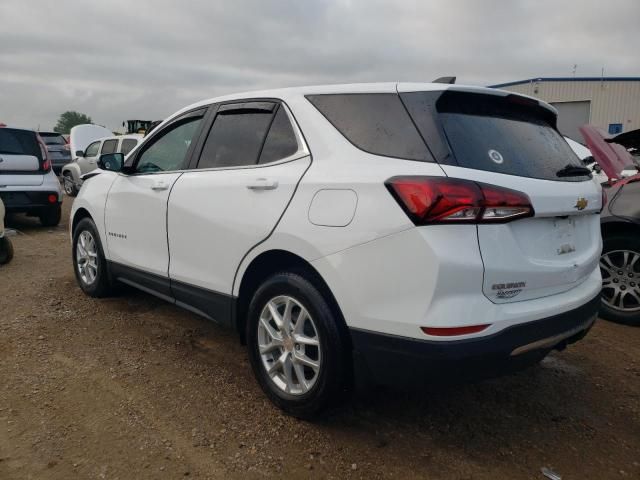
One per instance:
(547,254)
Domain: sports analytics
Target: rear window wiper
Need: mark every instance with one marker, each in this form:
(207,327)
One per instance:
(573,171)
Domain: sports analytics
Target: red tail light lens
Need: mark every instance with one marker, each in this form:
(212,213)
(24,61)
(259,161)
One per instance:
(52,198)
(46,165)
(454,331)
(429,200)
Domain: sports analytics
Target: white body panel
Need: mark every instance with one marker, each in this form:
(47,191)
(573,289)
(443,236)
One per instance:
(136,221)
(23,163)
(229,216)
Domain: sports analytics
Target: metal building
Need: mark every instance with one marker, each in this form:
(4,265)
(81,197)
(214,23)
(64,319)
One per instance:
(612,103)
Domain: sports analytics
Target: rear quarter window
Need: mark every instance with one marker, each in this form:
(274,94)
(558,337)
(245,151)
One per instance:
(377,123)
(128,144)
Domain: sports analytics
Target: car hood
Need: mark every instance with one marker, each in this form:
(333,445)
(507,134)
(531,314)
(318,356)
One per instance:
(82,135)
(612,157)
(628,139)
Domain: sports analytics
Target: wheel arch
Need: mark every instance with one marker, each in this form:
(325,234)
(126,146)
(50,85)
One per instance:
(619,227)
(78,215)
(270,262)
(73,169)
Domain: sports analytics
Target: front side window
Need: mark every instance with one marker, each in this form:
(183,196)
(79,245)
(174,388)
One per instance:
(92,150)
(235,139)
(127,145)
(168,152)
(109,146)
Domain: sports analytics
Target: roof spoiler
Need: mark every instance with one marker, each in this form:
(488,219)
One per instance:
(449,80)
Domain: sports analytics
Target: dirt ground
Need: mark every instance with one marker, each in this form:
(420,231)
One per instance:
(134,388)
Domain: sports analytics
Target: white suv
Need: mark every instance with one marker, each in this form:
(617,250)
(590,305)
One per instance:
(399,231)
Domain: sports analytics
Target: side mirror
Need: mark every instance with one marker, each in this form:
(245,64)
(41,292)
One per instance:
(111,162)
(79,153)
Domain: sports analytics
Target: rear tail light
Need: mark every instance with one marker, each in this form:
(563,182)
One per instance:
(430,200)
(46,165)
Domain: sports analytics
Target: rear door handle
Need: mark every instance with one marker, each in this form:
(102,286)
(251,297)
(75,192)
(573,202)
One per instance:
(159,185)
(263,184)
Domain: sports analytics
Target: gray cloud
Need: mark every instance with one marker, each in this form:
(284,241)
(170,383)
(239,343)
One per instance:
(120,59)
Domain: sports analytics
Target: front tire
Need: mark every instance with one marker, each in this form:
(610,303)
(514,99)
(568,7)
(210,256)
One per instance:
(89,263)
(69,185)
(620,268)
(297,352)
(6,250)
(50,216)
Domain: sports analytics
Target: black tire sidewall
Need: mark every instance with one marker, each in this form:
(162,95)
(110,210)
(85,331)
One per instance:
(101,286)
(620,242)
(6,251)
(331,382)
(74,190)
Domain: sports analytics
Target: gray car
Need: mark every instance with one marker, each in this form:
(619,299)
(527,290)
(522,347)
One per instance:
(58,149)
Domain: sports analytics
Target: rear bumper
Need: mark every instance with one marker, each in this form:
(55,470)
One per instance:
(24,201)
(407,362)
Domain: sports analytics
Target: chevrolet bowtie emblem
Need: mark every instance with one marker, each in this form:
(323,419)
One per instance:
(581,204)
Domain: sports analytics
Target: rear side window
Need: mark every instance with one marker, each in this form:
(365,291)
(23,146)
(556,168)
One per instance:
(281,140)
(508,135)
(127,145)
(235,139)
(19,142)
(377,123)
(109,146)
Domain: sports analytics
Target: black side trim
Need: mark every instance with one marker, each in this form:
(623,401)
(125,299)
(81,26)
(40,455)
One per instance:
(215,306)
(145,281)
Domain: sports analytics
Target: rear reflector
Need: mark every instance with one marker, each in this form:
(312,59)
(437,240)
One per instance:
(453,331)
(52,198)
(428,200)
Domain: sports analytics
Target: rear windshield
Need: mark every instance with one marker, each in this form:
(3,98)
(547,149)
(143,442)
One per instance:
(19,142)
(52,138)
(508,135)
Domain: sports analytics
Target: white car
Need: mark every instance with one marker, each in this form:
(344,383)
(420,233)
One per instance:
(27,181)
(386,230)
(89,142)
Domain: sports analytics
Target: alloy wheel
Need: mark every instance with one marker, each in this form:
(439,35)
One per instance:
(621,280)
(87,257)
(289,345)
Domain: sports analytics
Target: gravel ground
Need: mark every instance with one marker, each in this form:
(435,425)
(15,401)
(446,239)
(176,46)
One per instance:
(134,388)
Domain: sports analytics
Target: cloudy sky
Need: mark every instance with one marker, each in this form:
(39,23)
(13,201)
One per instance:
(117,59)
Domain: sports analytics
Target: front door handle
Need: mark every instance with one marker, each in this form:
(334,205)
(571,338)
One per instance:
(263,184)
(159,185)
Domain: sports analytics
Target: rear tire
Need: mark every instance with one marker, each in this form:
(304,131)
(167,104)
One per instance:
(6,250)
(621,279)
(305,338)
(89,263)
(50,216)
(69,185)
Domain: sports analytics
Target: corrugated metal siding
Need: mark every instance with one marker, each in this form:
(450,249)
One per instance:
(611,101)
